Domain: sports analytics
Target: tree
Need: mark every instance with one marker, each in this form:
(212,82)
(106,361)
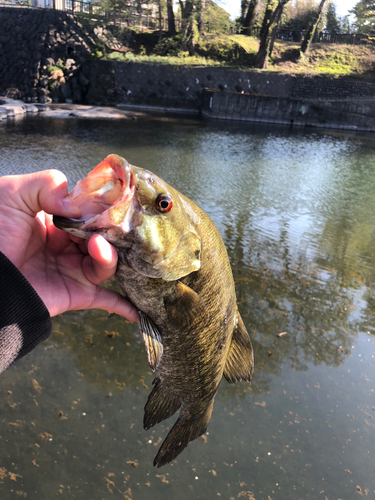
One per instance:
(312,28)
(364,12)
(332,23)
(244,8)
(265,46)
(270,5)
(345,25)
(189,24)
(298,14)
(171,20)
(248,23)
(216,19)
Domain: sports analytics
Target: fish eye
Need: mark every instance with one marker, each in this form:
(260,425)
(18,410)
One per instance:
(163,203)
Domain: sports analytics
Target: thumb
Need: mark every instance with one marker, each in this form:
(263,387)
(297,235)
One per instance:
(46,190)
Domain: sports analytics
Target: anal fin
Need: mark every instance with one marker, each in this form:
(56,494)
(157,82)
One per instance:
(161,404)
(184,430)
(152,339)
(240,361)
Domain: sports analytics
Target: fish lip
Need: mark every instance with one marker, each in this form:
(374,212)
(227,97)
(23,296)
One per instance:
(105,218)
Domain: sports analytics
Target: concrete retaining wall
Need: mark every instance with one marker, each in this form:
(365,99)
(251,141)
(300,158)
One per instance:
(350,115)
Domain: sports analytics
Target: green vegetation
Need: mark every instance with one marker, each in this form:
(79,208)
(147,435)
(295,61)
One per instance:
(356,61)
(239,51)
(201,34)
(182,58)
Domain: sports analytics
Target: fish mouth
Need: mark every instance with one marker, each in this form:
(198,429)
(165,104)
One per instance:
(104,197)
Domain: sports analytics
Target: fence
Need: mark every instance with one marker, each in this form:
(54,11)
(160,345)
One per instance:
(322,37)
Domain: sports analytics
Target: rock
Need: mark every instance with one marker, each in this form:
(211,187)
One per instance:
(69,63)
(43,100)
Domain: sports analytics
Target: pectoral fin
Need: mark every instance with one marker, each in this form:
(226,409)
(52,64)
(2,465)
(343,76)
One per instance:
(152,339)
(185,306)
(240,360)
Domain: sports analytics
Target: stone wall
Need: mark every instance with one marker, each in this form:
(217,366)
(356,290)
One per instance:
(182,87)
(331,88)
(41,54)
(175,86)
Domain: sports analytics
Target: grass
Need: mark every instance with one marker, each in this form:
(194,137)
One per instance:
(334,60)
(239,51)
(182,59)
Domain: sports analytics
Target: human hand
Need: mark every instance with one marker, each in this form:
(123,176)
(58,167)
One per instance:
(64,270)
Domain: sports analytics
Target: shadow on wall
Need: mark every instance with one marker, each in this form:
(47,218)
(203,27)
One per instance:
(52,49)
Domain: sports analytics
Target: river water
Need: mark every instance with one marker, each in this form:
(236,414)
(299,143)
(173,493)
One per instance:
(296,210)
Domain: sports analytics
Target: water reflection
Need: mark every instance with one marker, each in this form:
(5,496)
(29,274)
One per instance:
(296,211)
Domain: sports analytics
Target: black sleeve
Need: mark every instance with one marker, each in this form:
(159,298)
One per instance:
(24,319)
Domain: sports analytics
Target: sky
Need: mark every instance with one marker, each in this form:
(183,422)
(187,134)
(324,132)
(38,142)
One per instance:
(233,6)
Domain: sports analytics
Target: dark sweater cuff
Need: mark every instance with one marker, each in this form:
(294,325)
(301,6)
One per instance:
(24,319)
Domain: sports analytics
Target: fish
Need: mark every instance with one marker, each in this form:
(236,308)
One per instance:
(174,267)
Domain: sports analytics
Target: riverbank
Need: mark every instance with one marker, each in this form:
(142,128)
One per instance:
(10,109)
(355,115)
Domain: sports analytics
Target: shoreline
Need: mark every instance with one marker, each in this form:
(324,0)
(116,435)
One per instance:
(217,106)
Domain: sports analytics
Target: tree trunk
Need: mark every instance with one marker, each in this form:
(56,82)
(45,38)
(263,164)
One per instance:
(188,25)
(274,31)
(171,21)
(266,18)
(249,20)
(201,15)
(310,32)
(160,27)
(244,7)
(261,59)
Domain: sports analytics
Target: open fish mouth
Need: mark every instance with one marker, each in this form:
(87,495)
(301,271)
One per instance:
(104,197)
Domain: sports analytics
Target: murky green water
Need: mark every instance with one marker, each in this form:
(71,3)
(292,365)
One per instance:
(296,210)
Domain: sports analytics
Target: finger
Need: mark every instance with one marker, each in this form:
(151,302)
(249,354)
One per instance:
(46,190)
(102,252)
(101,264)
(77,239)
(113,302)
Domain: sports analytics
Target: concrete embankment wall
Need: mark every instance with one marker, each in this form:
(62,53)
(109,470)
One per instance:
(353,114)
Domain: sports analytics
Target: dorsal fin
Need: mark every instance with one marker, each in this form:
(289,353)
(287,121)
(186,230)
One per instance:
(152,339)
(240,360)
(161,404)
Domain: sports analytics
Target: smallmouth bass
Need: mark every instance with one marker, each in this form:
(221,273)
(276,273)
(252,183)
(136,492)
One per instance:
(173,266)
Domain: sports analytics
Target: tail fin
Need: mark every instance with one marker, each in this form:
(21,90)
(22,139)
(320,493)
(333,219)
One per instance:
(183,431)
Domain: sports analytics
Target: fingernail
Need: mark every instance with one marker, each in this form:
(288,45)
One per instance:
(71,206)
